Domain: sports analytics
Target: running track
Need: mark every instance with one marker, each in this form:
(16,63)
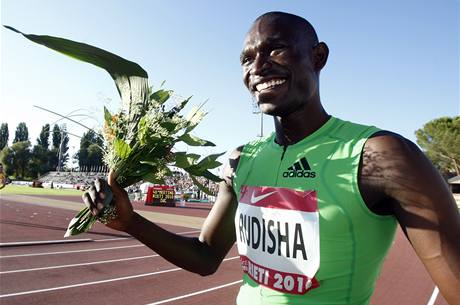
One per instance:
(109,267)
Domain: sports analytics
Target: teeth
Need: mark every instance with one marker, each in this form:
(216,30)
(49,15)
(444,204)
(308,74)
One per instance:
(269,84)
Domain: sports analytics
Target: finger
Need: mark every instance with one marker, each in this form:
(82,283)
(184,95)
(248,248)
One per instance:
(92,193)
(89,203)
(112,179)
(96,198)
(101,188)
(98,183)
(116,188)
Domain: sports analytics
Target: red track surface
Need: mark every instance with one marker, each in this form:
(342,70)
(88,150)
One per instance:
(83,276)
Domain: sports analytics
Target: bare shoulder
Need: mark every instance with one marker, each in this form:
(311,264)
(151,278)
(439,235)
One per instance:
(383,156)
(387,155)
(388,145)
(400,171)
(232,164)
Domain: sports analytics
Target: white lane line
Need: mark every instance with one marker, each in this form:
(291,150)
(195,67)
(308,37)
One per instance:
(194,293)
(190,232)
(81,264)
(113,239)
(434,295)
(71,251)
(85,250)
(97,282)
(123,238)
(43,242)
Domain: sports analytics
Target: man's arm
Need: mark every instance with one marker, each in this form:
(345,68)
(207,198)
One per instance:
(201,255)
(397,177)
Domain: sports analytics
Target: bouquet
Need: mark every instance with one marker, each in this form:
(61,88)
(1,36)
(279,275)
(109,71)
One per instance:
(140,138)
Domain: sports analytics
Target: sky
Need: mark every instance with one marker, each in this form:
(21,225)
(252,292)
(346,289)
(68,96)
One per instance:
(392,64)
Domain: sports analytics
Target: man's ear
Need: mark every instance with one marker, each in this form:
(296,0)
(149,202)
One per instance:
(320,54)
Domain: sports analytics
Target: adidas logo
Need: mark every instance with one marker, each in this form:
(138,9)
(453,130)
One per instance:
(300,169)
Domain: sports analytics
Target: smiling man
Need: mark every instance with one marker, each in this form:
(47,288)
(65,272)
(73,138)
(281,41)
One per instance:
(314,206)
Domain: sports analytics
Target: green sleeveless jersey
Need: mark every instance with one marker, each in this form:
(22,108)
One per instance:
(304,234)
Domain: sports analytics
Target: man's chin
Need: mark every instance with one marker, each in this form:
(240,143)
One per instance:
(269,109)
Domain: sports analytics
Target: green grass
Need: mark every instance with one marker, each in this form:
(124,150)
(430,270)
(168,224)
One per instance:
(27,190)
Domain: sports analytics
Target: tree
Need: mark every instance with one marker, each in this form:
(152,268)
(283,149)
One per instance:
(60,148)
(440,139)
(22,133)
(41,161)
(64,148)
(20,158)
(4,135)
(44,137)
(7,159)
(90,153)
(95,155)
(56,136)
(53,158)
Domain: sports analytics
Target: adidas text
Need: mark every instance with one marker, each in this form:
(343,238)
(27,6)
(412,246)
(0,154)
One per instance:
(299,174)
(300,169)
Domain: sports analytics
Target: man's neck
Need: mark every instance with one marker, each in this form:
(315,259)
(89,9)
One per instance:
(299,125)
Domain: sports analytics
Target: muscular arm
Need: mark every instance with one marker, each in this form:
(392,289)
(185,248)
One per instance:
(201,255)
(397,178)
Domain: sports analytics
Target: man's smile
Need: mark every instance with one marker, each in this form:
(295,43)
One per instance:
(270,84)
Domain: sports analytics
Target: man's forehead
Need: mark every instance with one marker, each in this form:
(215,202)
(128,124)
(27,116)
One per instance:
(263,31)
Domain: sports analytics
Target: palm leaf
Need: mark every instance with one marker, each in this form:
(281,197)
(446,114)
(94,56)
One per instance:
(130,78)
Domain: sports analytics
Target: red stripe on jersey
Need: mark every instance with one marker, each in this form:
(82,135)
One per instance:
(279,198)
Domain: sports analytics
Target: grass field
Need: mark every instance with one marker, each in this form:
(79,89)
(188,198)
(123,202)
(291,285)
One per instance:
(27,190)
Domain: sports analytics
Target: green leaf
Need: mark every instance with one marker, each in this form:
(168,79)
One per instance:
(169,126)
(184,160)
(82,222)
(194,141)
(125,182)
(151,163)
(194,156)
(151,177)
(142,131)
(122,149)
(141,170)
(210,161)
(180,106)
(129,77)
(195,170)
(160,96)
(211,176)
(201,186)
(194,117)
(107,117)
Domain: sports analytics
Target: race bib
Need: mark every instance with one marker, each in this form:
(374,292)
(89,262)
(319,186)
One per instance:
(278,237)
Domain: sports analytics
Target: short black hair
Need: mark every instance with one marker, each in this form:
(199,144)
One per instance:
(303,23)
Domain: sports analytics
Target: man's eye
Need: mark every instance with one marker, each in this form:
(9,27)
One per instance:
(246,60)
(277,50)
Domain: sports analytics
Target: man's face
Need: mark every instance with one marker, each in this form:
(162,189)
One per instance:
(277,66)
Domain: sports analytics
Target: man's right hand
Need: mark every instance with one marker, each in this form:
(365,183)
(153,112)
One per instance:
(94,200)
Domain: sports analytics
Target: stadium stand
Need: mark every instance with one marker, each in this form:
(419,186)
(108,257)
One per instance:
(181,181)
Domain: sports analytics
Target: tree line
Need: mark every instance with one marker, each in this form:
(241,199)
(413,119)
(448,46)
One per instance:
(22,160)
(439,139)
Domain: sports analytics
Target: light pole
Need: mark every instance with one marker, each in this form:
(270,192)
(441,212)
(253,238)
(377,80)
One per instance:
(60,152)
(256,110)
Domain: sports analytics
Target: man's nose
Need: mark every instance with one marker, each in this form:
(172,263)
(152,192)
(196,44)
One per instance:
(260,64)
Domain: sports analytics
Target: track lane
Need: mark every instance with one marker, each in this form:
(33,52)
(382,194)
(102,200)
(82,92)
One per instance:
(134,290)
(403,280)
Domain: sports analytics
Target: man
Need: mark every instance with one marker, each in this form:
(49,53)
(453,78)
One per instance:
(313,207)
